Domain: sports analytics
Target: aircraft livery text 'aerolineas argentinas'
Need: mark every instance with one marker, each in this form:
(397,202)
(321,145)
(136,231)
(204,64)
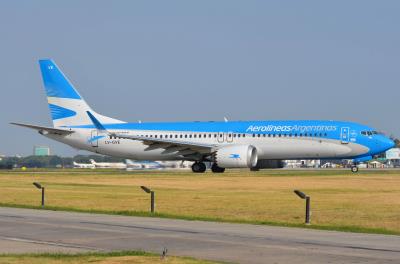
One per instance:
(244,144)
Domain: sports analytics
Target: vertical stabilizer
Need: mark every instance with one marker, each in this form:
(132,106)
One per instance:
(67,107)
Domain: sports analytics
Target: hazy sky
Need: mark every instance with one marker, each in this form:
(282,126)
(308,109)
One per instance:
(202,60)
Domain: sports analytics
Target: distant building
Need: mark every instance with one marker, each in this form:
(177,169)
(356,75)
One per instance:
(393,157)
(393,154)
(41,151)
(302,163)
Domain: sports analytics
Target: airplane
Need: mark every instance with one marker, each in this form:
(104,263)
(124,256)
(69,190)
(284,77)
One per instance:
(83,165)
(145,164)
(229,144)
(108,165)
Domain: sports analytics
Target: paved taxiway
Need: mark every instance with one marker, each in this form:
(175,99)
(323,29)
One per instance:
(26,230)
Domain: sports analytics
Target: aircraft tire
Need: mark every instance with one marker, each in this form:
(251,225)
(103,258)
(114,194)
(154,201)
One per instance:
(216,169)
(354,169)
(199,167)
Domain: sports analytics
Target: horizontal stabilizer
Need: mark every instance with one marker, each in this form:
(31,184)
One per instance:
(46,130)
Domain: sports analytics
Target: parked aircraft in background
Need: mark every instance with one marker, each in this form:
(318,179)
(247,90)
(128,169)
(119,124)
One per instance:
(83,165)
(112,165)
(244,144)
(139,165)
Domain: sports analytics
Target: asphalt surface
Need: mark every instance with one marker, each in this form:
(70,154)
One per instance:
(26,230)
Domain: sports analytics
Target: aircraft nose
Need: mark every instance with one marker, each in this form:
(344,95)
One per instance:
(392,144)
(388,143)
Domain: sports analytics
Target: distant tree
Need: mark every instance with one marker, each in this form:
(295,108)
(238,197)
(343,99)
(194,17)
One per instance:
(397,141)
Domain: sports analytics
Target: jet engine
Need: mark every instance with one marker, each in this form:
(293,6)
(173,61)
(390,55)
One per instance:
(243,156)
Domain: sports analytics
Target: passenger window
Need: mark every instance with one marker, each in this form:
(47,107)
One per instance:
(190,136)
(180,136)
(176,136)
(254,135)
(326,134)
(244,135)
(259,135)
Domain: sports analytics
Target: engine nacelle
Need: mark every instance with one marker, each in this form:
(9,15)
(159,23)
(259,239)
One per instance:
(243,156)
(268,164)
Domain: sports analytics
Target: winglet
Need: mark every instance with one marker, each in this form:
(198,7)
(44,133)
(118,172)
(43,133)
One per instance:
(96,122)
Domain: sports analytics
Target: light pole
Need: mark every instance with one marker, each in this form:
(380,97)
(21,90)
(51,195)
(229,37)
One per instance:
(147,190)
(37,185)
(308,205)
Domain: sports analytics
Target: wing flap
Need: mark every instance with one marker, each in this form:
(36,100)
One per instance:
(167,143)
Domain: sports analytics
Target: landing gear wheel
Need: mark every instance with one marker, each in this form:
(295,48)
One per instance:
(216,169)
(199,167)
(354,169)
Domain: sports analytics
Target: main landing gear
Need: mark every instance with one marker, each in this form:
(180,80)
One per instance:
(199,167)
(216,169)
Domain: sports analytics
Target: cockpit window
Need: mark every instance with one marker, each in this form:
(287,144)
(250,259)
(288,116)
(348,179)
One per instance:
(370,133)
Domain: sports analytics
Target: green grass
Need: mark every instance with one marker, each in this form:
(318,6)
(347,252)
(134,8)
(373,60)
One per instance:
(365,202)
(99,257)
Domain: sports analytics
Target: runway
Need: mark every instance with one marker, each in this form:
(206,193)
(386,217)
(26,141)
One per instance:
(26,230)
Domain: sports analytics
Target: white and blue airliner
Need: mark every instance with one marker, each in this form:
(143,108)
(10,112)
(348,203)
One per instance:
(232,144)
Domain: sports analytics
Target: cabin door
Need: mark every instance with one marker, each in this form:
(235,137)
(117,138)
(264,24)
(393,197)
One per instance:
(220,137)
(229,137)
(94,138)
(344,135)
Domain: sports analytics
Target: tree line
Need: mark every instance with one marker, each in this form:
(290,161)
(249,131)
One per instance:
(52,161)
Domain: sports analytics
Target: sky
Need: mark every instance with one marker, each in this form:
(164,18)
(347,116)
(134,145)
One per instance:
(201,60)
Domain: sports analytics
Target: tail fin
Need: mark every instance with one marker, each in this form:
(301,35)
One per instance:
(67,107)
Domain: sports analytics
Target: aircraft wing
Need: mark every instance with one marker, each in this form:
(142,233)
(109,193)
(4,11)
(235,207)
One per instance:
(185,149)
(46,130)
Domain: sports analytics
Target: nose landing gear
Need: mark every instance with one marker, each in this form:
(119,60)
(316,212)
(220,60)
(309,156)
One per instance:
(354,168)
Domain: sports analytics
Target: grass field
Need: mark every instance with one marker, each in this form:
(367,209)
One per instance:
(101,258)
(365,202)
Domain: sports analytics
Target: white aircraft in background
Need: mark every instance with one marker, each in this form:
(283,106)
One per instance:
(110,165)
(139,165)
(83,165)
(236,144)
